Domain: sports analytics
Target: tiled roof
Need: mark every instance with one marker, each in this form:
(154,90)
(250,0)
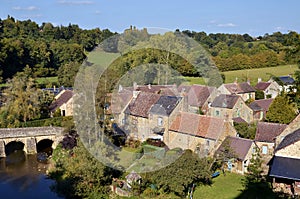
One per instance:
(261,105)
(262,85)
(198,95)
(267,132)
(141,105)
(165,105)
(119,100)
(239,146)
(198,125)
(238,88)
(153,88)
(225,101)
(289,139)
(238,120)
(62,99)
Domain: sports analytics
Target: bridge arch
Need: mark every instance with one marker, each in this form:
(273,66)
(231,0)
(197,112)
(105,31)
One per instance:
(14,146)
(45,145)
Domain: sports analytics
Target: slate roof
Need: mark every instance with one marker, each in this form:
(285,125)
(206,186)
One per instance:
(198,95)
(287,80)
(239,146)
(141,105)
(153,88)
(238,120)
(225,101)
(267,132)
(283,167)
(165,105)
(262,85)
(239,88)
(198,125)
(289,139)
(264,103)
(62,99)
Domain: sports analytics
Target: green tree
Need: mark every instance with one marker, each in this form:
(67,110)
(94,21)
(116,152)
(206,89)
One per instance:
(282,110)
(66,74)
(246,130)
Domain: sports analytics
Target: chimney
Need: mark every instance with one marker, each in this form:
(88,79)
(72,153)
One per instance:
(135,85)
(258,79)
(120,87)
(236,80)
(149,86)
(248,81)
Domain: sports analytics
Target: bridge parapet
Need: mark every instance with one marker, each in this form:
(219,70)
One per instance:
(30,132)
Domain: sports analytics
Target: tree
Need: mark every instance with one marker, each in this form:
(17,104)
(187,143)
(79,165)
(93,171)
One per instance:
(282,110)
(259,94)
(180,175)
(245,130)
(66,74)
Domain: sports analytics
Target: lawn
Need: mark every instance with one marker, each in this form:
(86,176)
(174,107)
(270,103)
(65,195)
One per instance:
(252,74)
(47,80)
(224,187)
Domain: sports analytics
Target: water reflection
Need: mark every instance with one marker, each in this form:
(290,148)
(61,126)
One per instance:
(23,176)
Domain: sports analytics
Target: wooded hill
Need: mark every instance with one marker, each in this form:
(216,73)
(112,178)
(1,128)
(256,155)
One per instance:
(47,48)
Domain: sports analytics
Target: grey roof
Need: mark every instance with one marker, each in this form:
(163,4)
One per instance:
(287,80)
(289,139)
(225,101)
(255,107)
(283,167)
(165,105)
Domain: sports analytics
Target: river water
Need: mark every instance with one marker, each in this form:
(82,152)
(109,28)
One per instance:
(23,176)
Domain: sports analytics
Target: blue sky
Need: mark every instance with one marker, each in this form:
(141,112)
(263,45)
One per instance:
(254,17)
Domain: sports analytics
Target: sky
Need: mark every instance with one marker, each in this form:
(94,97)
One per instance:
(254,17)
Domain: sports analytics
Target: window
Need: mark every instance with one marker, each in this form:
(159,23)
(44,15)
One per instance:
(159,121)
(264,149)
(217,113)
(207,142)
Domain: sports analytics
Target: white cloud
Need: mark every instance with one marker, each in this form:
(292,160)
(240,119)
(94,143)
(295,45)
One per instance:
(97,12)
(226,25)
(74,2)
(29,8)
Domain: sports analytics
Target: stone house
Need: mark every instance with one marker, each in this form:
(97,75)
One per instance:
(260,108)
(286,163)
(293,126)
(266,134)
(202,134)
(229,107)
(270,89)
(136,115)
(238,151)
(162,113)
(199,97)
(63,102)
(286,83)
(244,89)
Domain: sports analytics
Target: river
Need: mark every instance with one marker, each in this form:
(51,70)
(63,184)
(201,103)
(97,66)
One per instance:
(23,176)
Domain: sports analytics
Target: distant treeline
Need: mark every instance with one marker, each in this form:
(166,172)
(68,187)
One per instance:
(50,50)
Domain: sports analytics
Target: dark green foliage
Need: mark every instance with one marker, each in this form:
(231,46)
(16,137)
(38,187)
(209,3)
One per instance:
(246,130)
(282,110)
(66,74)
(180,175)
(259,95)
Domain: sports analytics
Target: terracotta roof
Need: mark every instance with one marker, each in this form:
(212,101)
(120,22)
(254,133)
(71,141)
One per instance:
(289,139)
(62,99)
(263,104)
(198,125)
(267,132)
(198,95)
(239,146)
(225,101)
(142,104)
(238,88)
(262,85)
(165,105)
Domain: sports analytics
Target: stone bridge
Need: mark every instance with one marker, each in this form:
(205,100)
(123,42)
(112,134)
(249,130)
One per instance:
(29,138)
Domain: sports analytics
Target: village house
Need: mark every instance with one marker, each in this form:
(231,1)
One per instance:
(237,153)
(229,107)
(260,108)
(270,89)
(293,126)
(286,83)
(286,163)
(244,89)
(162,113)
(202,134)
(63,102)
(136,115)
(199,98)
